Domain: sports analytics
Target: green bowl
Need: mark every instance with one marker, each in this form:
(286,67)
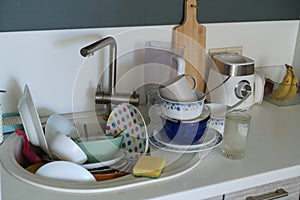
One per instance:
(100,150)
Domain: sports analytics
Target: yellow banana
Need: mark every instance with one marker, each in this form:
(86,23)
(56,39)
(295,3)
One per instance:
(284,86)
(294,87)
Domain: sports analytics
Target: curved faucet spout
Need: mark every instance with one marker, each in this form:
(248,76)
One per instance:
(111,42)
(111,96)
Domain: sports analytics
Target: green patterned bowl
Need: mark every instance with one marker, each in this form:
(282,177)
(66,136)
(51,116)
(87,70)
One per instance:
(102,149)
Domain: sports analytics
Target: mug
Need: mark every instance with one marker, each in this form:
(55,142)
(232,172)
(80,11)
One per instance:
(179,89)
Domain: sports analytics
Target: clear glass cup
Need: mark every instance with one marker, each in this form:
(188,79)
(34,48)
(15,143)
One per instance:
(235,134)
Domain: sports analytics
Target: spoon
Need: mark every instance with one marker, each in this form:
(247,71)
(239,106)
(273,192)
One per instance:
(28,153)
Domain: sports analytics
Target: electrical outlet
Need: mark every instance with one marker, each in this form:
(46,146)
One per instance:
(233,50)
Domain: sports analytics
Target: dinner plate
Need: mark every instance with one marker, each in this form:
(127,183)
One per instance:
(162,137)
(126,117)
(117,157)
(31,121)
(214,143)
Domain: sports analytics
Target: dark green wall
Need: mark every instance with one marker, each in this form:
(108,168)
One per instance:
(19,15)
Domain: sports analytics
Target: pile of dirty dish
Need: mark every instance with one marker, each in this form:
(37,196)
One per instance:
(185,118)
(59,152)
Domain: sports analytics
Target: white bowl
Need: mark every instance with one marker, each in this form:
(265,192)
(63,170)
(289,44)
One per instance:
(64,170)
(183,110)
(58,123)
(64,148)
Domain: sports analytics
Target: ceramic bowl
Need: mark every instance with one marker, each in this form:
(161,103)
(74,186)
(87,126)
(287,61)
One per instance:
(183,110)
(184,132)
(128,118)
(64,148)
(101,149)
(57,123)
(64,170)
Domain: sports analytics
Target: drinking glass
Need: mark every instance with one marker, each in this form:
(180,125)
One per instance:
(235,134)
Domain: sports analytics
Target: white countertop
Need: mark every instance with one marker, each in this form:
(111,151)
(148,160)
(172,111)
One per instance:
(272,154)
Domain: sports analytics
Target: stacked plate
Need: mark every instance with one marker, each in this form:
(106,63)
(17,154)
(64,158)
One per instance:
(210,139)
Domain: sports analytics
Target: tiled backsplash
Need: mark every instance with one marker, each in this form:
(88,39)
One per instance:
(50,63)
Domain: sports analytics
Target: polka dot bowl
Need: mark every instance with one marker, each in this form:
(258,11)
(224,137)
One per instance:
(127,118)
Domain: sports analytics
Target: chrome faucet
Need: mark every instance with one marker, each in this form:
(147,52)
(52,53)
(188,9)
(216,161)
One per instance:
(109,97)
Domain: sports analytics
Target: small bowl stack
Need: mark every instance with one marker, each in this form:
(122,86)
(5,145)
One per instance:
(182,119)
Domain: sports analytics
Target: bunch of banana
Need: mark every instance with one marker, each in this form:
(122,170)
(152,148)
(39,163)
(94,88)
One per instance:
(288,87)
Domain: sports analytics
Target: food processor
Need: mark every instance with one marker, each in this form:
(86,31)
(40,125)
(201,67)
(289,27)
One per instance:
(231,81)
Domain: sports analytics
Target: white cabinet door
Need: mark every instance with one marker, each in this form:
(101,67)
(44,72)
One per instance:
(290,186)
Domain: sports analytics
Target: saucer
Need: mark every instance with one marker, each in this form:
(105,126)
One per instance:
(117,157)
(214,143)
(162,137)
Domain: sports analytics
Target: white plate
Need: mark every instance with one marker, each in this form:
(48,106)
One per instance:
(64,170)
(31,121)
(118,156)
(128,118)
(214,143)
(162,137)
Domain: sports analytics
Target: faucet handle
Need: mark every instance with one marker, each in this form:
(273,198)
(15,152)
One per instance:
(98,88)
(134,98)
(134,94)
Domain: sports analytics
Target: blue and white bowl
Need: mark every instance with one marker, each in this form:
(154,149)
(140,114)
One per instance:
(183,110)
(184,132)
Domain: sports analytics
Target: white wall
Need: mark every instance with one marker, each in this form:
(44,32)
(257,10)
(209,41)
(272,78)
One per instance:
(50,63)
(296,62)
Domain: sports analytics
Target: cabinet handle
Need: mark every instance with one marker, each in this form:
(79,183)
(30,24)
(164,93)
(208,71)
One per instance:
(269,196)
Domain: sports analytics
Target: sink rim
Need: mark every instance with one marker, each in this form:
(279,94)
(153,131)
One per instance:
(185,163)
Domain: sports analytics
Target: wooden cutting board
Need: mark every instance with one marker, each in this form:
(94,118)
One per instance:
(193,36)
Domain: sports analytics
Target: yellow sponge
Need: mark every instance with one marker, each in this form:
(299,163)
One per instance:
(149,166)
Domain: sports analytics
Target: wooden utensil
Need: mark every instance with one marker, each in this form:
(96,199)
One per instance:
(104,177)
(193,36)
